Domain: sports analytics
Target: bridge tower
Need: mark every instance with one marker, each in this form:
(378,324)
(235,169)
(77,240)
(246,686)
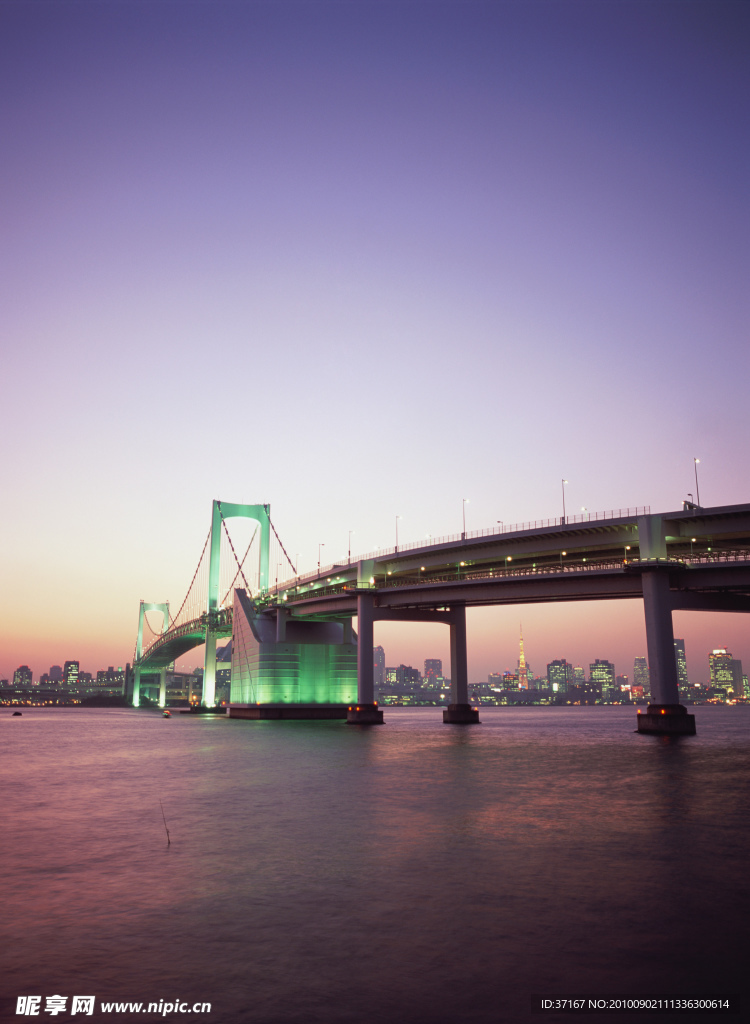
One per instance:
(149,607)
(223,510)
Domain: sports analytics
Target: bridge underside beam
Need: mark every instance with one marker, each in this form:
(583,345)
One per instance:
(412,615)
(719,602)
(521,591)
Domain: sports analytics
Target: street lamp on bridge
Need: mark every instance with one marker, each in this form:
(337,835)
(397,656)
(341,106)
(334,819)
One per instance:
(697,490)
(397,519)
(350,546)
(465,503)
(321,545)
(563,498)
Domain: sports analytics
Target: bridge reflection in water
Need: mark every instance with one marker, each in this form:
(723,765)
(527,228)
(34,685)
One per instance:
(294,651)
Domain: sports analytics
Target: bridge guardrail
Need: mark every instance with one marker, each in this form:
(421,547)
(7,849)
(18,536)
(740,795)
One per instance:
(221,619)
(451,538)
(551,568)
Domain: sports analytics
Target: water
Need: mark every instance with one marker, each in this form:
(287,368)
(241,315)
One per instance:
(413,872)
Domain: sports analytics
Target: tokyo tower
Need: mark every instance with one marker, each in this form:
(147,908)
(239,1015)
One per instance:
(523,675)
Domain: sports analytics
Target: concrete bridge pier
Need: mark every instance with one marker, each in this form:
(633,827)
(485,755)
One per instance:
(162,687)
(209,670)
(459,711)
(136,686)
(665,716)
(366,711)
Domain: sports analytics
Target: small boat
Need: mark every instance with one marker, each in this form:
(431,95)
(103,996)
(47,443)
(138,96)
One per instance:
(167,714)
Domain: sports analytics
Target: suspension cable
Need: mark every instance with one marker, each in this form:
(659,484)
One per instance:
(231,545)
(200,561)
(239,570)
(294,569)
(151,628)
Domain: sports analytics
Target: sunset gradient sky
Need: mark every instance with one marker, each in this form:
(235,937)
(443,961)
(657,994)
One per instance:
(358,260)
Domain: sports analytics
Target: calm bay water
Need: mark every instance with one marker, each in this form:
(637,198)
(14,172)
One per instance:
(414,872)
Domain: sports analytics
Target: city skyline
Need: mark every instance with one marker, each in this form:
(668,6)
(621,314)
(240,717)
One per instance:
(686,670)
(420,258)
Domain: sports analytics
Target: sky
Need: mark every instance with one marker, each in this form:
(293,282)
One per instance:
(361,260)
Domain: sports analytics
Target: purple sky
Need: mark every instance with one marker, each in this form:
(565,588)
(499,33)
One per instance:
(359,260)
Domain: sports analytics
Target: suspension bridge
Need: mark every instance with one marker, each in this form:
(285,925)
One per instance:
(295,653)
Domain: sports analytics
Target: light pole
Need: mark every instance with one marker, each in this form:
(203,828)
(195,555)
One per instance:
(563,497)
(583,508)
(697,490)
(465,502)
(397,519)
(321,545)
(502,524)
(350,546)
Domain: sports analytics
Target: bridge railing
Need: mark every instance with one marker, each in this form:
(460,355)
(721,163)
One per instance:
(220,620)
(492,531)
(578,565)
(470,573)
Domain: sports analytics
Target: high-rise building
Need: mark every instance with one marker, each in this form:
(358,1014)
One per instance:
(578,678)
(408,676)
(23,676)
(602,675)
(510,680)
(70,674)
(433,671)
(726,672)
(56,674)
(378,665)
(641,675)
(109,679)
(679,654)
(558,675)
(223,676)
